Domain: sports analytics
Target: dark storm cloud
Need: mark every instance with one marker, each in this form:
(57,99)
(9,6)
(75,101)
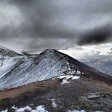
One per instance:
(39,19)
(97,35)
(57,24)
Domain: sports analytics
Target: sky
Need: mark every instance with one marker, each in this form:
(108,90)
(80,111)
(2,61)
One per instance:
(66,25)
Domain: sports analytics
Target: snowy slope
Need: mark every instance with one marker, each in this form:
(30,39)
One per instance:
(48,64)
(7,64)
(8,59)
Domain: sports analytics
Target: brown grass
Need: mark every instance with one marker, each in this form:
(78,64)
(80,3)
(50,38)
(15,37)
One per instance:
(14,92)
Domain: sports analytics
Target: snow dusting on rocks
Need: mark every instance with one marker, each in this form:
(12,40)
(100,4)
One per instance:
(39,108)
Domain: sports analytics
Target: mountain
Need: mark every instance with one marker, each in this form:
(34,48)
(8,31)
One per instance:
(48,64)
(104,65)
(6,52)
(52,82)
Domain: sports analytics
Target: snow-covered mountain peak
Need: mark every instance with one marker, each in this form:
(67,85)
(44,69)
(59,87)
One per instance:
(6,52)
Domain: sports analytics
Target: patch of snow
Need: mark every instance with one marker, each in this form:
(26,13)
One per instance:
(64,81)
(23,109)
(54,105)
(78,72)
(14,107)
(67,78)
(75,77)
(5,110)
(39,108)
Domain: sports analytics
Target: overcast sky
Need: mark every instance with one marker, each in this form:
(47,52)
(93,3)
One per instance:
(59,24)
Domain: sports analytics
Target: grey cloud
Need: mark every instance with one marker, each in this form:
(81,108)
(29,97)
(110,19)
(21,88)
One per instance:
(53,43)
(54,24)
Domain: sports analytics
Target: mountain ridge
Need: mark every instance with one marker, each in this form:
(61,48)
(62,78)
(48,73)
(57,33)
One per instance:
(48,64)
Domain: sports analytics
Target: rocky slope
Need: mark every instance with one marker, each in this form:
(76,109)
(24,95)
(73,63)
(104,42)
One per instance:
(22,70)
(77,95)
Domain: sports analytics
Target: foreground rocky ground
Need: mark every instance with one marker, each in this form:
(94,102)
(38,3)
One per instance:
(78,94)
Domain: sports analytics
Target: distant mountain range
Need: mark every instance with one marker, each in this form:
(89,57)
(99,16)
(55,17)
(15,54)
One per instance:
(104,65)
(19,69)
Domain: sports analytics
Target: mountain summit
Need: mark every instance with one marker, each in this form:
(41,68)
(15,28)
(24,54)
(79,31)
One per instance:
(48,64)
